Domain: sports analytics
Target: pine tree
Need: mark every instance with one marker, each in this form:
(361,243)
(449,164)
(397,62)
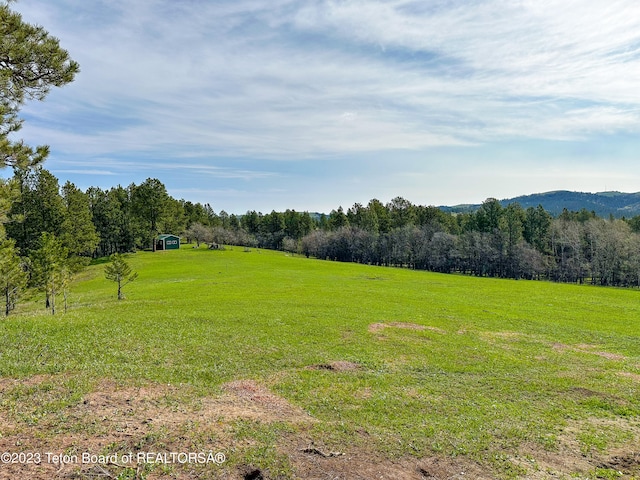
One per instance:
(78,232)
(150,201)
(13,278)
(50,268)
(39,207)
(32,62)
(120,272)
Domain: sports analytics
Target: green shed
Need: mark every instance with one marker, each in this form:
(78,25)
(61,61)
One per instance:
(167,242)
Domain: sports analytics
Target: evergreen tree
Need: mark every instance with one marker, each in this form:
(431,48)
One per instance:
(130,230)
(380,215)
(39,207)
(194,213)
(13,278)
(511,225)
(150,202)
(213,220)
(8,194)
(120,272)
(537,224)
(251,222)
(487,218)
(78,231)
(402,212)
(338,219)
(50,269)
(32,62)
(224,219)
(173,219)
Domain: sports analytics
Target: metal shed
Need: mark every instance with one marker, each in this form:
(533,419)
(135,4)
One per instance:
(167,242)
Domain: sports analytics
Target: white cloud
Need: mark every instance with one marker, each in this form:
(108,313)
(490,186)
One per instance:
(257,78)
(197,81)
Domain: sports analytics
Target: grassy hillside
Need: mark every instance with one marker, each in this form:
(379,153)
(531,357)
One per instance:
(408,371)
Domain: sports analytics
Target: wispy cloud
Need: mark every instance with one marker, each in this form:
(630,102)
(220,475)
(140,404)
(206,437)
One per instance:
(198,169)
(91,172)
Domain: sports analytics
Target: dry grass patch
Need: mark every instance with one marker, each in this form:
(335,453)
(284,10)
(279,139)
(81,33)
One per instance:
(587,348)
(248,399)
(576,453)
(378,327)
(633,376)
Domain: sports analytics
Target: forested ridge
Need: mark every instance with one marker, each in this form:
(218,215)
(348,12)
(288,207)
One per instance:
(52,231)
(603,204)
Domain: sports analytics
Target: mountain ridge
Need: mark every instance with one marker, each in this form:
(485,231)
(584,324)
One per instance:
(604,204)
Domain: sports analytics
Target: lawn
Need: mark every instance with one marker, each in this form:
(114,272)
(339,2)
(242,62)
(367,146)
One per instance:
(300,368)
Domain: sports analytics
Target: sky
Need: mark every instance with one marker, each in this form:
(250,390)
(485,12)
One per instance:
(310,105)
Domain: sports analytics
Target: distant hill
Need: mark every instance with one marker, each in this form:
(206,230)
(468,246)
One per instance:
(604,204)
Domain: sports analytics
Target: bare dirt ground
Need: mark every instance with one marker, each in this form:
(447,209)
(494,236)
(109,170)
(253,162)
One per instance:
(114,420)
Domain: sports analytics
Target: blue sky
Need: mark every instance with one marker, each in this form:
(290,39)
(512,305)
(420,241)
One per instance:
(255,104)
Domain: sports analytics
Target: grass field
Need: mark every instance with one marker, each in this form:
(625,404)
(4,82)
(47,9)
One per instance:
(299,368)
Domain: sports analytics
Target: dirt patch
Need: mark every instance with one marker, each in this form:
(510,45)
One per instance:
(629,462)
(585,392)
(569,457)
(378,327)
(165,405)
(248,399)
(10,383)
(545,464)
(116,419)
(317,464)
(338,366)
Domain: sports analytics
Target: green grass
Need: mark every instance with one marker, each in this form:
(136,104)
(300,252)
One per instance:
(506,363)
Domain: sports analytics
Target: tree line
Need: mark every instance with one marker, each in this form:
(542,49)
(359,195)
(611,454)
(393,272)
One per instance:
(51,232)
(494,241)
